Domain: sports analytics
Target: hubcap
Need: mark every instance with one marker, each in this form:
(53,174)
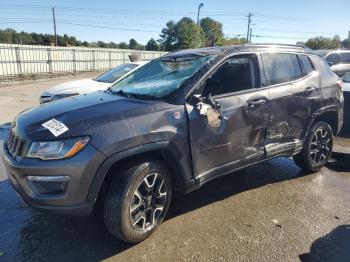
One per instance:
(320,146)
(148,202)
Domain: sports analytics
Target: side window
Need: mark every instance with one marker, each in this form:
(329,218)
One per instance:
(345,58)
(332,59)
(282,67)
(236,74)
(306,64)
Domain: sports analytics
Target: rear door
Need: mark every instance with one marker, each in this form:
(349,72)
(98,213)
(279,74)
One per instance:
(294,89)
(220,145)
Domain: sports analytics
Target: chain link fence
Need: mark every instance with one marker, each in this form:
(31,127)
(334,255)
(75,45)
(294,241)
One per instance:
(26,62)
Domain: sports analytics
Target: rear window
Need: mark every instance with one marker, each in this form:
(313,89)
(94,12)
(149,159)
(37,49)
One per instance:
(282,68)
(345,58)
(306,64)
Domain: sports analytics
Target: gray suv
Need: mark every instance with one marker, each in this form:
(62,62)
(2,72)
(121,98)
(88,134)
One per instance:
(174,124)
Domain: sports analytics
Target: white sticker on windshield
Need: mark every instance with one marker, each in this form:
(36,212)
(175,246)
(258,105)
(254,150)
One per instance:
(55,127)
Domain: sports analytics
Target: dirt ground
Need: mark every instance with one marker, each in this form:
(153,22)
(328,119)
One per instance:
(269,212)
(16,98)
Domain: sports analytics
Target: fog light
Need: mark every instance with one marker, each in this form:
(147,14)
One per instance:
(49,185)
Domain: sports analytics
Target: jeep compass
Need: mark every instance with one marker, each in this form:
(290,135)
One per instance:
(174,124)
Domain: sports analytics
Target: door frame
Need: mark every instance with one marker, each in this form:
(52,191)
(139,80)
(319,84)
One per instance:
(262,76)
(261,85)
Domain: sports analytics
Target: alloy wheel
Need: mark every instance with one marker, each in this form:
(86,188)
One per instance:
(320,148)
(148,202)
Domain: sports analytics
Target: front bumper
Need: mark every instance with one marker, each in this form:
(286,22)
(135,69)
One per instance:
(81,169)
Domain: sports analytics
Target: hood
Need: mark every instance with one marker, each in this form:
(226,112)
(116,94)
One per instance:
(80,114)
(82,86)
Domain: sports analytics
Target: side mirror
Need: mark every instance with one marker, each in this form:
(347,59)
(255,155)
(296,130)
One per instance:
(195,99)
(330,63)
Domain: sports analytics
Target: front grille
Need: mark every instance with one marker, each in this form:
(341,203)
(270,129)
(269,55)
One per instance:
(15,145)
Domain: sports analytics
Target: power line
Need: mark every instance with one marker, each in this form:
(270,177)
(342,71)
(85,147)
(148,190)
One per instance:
(293,31)
(282,37)
(109,27)
(27,22)
(148,12)
(66,11)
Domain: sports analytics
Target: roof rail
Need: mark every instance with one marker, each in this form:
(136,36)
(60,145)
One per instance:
(281,45)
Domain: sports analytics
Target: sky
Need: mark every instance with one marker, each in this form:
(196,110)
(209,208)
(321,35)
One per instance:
(116,21)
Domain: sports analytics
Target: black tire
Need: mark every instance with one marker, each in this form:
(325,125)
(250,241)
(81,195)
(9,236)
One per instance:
(315,156)
(119,211)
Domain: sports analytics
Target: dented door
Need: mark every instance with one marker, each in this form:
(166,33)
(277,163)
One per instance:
(235,140)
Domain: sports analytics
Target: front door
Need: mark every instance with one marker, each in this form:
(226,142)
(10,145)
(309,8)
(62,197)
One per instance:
(231,136)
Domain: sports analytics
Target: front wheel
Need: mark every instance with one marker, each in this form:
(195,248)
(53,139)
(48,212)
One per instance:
(137,200)
(317,148)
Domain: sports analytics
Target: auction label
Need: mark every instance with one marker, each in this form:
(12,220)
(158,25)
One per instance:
(55,127)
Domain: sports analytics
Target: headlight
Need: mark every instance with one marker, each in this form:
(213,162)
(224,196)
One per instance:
(57,97)
(59,149)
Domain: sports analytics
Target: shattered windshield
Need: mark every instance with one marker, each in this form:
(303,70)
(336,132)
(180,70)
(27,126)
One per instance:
(160,77)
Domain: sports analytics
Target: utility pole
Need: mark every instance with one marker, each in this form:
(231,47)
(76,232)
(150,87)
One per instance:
(250,35)
(54,24)
(249,22)
(199,9)
(197,36)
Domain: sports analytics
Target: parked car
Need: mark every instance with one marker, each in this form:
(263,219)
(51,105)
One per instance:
(339,62)
(346,84)
(85,86)
(174,124)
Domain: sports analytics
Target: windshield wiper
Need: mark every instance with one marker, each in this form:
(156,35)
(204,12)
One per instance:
(132,95)
(122,93)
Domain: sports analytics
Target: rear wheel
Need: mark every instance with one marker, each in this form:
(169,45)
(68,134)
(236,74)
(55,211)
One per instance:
(317,148)
(137,200)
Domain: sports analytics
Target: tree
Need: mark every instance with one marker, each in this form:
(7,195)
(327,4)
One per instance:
(234,41)
(188,34)
(168,37)
(6,36)
(213,32)
(320,42)
(112,45)
(101,44)
(123,45)
(140,47)
(152,45)
(133,44)
(181,35)
(346,43)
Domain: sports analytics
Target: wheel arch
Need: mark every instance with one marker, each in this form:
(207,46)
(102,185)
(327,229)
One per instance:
(329,115)
(181,173)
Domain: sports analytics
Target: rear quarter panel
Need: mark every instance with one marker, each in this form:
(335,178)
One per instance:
(331,96)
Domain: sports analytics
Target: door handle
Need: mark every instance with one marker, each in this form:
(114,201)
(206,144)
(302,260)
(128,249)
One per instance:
(257,102)
(309,90)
